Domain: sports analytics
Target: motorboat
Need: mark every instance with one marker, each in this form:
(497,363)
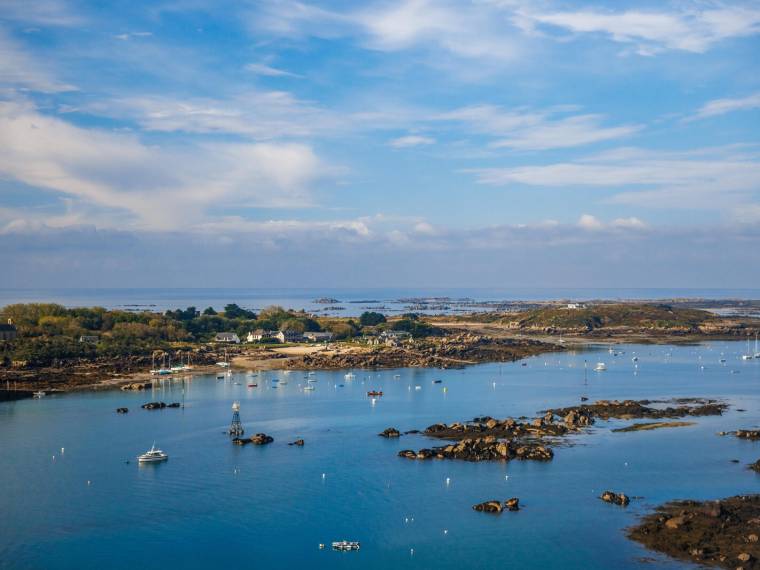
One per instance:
(375,393)
(349,376)
(600,367)
(346,545)
(152,455)
(39,394)
(308,388)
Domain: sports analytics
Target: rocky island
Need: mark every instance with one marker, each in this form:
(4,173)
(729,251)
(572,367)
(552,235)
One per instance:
(720,533)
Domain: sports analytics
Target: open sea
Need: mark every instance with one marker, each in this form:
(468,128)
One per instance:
(72,494)
(347,302)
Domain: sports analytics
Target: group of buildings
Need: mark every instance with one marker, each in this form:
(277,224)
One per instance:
(261,335)
(389,338)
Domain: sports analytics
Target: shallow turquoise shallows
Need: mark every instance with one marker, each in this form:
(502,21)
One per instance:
(72,494)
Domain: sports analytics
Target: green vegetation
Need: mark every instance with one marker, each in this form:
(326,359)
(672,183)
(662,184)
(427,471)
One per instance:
(619,315)
(49,332)
(371,319)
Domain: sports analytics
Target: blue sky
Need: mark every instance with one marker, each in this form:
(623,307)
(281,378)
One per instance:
(413,142)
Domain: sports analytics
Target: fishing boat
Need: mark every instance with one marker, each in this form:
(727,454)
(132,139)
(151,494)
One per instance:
(346,545)
(152,455)
(375,393)
(600,367)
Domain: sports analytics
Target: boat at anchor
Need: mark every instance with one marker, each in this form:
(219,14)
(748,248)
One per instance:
(153,455)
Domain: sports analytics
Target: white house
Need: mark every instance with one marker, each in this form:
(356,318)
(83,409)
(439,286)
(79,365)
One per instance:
(576,306)
(259,335)
(288,336)
(227,337)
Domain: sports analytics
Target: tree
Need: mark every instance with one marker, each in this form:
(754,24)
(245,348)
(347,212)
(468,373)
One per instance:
(209,311)
(233,311)
(293,325)
(370,319)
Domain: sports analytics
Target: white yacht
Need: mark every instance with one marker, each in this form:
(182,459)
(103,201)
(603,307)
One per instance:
(349,376)
(152,455)
(600,367)
(346,545)
(38,395)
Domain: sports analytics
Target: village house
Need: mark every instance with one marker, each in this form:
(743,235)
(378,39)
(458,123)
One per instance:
(289,336)
(8,332)
(259,335)
(318,336)
(576,306)
(227,337)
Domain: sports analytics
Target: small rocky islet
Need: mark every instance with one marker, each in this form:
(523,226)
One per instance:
(722,533)
(496,506)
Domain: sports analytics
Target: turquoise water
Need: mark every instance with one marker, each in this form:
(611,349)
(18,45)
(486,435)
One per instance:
(214,504)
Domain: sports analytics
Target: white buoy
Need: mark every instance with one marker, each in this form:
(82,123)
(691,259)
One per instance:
(411,551)
(88,482)
(445,531)
(62,450)
(324,475)
(448,480)
(506,477)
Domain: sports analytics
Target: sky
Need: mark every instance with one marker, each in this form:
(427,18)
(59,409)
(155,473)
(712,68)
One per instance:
(406,143)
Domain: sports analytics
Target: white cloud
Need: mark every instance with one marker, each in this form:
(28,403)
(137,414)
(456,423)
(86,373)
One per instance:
(158,187)
(18,69)
(693,29)
(40,12)
(411,141)
(527,129)
(255,114)
(706,178)
(468,30)
(589,222)
(723,106)
(129,35)
(268,71)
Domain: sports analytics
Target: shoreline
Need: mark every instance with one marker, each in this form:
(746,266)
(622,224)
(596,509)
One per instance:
(348,356)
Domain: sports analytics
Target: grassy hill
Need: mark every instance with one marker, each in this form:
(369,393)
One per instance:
(612,316)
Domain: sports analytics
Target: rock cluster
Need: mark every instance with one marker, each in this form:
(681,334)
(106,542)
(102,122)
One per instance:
(483,449)
(159,405)
(257,439)
(390,432)
(630,409)
(509,428)
(755,466)
(720,533)
(615,498)
(298,442)
(496,506)
(122,410)
(137,386)
(748,433)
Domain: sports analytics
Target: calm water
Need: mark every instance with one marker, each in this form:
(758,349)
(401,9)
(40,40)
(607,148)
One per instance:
(215,505)
(351,301)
